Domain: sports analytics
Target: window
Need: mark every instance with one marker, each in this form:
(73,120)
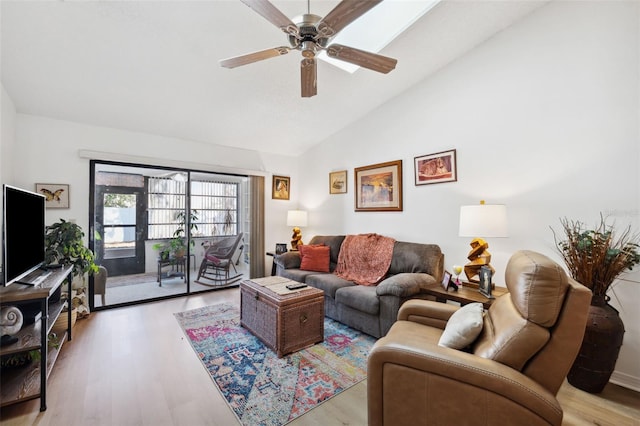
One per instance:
(214,207)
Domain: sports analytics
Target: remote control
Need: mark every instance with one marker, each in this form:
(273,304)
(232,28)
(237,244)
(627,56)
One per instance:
(296,286)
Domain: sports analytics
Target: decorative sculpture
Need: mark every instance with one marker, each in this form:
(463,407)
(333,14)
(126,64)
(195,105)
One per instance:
(479,256)
(10,323)
(296,239)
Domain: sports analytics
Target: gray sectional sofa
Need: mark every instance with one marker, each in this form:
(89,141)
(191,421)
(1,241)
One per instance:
(371,309)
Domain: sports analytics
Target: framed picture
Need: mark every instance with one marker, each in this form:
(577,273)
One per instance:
(281,248)
(484,285)
(57,194)
(281,187)
(436,168)
(338,182)
(379,187)
(446,279)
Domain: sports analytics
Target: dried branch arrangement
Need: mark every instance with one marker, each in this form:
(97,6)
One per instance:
(596,257)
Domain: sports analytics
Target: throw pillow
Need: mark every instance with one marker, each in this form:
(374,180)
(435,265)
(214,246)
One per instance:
(463,327)
(314,258)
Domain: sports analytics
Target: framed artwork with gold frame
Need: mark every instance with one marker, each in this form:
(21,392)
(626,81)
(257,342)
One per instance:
(338,182)
(379,187)
(281,187)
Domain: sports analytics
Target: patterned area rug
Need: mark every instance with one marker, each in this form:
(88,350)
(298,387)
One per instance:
(261,388)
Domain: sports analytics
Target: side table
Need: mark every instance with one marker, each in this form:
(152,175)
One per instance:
(467,293)
(178,268)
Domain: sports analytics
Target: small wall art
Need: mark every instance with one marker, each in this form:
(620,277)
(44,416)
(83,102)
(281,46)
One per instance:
(436,168)
(57,194)
(338,182)
(281,187)
(379,187)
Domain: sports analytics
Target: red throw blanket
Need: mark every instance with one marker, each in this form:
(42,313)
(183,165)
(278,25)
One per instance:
(365,258)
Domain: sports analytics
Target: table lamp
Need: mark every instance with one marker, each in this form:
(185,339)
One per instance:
(481,221)
(296,218)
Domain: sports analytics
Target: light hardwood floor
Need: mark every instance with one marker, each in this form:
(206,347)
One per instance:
(133,366)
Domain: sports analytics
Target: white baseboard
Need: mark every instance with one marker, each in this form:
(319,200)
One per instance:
(626,381)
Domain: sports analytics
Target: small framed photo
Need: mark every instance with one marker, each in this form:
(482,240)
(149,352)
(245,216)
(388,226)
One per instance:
(446,279)
(281,248)
(281,187)
(484,284)
(379,187)
(338,182)
(436,168)
(56,194)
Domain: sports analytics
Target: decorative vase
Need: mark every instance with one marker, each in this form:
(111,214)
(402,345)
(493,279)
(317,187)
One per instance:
(600,347)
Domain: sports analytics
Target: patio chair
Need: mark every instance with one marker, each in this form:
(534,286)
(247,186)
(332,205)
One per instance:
(217,261)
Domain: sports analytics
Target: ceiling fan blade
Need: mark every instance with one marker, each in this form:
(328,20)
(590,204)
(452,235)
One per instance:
(342,15)
(308,77)
(272,14)
(249,58)
(368,60)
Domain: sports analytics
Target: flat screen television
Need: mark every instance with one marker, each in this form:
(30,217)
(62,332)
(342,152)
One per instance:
(23,234)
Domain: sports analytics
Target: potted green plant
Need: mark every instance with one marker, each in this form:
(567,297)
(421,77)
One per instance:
(177,245)
(595,258)
(64,245)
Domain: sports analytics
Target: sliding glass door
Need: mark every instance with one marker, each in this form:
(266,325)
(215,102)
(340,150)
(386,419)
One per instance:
(152,228)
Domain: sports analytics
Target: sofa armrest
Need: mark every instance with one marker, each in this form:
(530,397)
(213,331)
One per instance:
(405,284)
(411,382)
(288,260)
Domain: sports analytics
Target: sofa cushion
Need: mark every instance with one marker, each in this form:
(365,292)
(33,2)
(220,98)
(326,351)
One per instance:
(463,327)
(416,257)
(314,258)
(361,298)
(329,283)
(297,274)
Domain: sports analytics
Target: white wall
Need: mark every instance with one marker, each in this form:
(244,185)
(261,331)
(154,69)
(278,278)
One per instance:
(48,152)
(544,117)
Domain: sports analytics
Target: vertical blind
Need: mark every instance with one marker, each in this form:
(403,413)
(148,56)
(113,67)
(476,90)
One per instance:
(214,206)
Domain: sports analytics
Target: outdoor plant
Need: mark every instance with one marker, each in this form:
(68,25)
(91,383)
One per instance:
(596,257)
(178,244)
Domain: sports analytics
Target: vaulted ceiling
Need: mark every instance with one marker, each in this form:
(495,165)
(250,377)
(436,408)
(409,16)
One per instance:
(152,67)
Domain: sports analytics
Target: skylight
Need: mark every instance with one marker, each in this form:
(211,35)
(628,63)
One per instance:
(379,27)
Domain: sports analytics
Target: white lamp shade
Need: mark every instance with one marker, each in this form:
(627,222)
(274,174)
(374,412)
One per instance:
(296,218)
(484,221)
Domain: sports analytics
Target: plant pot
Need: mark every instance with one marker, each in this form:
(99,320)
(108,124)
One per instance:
(600,347)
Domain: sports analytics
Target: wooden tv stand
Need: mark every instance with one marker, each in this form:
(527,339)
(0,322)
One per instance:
(21,384)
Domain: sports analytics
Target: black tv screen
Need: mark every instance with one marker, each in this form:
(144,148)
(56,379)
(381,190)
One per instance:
(23,233)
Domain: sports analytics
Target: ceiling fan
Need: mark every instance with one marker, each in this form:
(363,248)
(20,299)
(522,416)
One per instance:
(312,35)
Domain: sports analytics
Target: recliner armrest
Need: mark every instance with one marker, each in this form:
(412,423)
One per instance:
(427,312)
(440,383)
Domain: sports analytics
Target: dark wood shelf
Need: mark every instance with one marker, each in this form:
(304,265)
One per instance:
(29,382)
(23,383)
(467,293)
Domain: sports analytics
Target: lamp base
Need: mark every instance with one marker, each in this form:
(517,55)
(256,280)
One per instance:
(296,239)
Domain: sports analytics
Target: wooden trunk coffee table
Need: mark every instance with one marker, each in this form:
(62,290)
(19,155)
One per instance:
(286,321)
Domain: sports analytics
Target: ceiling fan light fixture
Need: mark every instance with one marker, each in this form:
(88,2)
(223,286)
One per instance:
(312,35)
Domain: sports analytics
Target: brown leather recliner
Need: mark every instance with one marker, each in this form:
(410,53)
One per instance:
(511,372)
